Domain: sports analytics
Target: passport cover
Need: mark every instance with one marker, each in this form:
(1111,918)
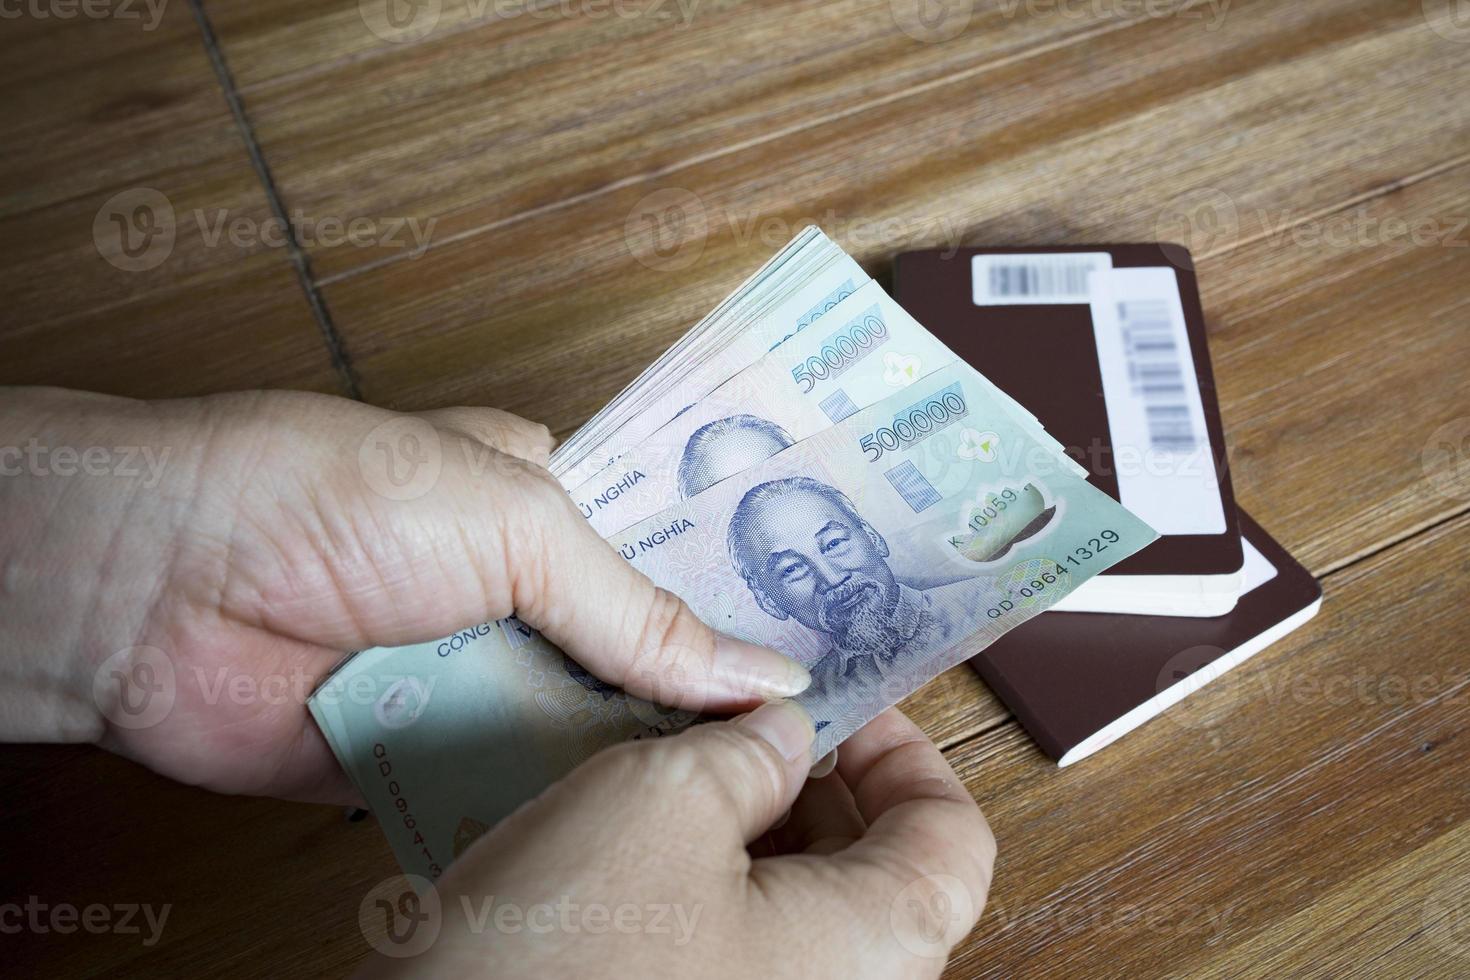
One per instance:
(1068,676)
(1045,357)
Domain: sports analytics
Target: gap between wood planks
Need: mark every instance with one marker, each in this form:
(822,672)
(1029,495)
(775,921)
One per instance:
(300,263)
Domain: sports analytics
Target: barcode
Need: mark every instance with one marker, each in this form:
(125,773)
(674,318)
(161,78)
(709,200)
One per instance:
(1039,280)
(1010,280)
(1156,372)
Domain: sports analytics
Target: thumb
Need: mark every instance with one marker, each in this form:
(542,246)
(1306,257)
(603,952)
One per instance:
(741,774)
(586,598)
(497,430)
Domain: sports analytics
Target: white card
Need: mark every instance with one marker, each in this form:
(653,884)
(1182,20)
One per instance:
(1156,418)
(1034,279)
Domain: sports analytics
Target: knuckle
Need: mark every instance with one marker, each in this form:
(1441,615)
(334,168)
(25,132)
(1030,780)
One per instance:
(528,441)
(538,504)
(683,768)
(714,770)
(530,474)
(537,524)
(958,838)
(664,653)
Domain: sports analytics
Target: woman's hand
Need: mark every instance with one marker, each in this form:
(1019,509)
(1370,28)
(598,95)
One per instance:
(653,860)
(176,577)
(221,554)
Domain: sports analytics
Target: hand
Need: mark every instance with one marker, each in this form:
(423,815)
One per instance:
(653,859)
(242,543)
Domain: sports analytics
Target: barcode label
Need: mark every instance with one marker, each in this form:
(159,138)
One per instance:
(1157,371)
(1156,418)
(1035,279)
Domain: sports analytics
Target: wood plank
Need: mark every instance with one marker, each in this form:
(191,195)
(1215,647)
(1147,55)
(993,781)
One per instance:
(1327,427)
(515,126)
(955,706)
(493,319)
(1348,426)
(104,107)
(1335,759)
(1404,919)
(271,41)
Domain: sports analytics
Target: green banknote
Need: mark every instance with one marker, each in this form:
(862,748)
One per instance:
(796,289)
(878,552)
(865,349)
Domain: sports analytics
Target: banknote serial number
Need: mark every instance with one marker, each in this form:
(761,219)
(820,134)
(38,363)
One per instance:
(1094,547)
(401,805)
(1034,588)
(996,506)
(1041,583)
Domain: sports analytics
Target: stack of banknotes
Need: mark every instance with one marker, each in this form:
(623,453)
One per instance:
(809,469)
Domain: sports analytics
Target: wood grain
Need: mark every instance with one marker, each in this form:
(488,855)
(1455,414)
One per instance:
(955,706)
(1327,428)
(1302,782)
(490,318)
(1309,307)
(616,98)
(98,108)
(256,887)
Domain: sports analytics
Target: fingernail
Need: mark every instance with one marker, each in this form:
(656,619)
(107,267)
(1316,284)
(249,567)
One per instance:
(824,766)
(785,725)
(755,671)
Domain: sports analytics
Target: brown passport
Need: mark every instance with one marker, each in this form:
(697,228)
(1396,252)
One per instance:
(1022,317)
(1079,681)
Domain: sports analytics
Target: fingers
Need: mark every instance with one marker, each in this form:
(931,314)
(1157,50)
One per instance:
(587,599)
(499,535)
(761,759)
(915,882)
(499,430)
(890,761)
(713,788)
(924,830)
(824,819)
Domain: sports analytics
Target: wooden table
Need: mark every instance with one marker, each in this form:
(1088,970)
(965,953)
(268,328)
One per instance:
(1315,154)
